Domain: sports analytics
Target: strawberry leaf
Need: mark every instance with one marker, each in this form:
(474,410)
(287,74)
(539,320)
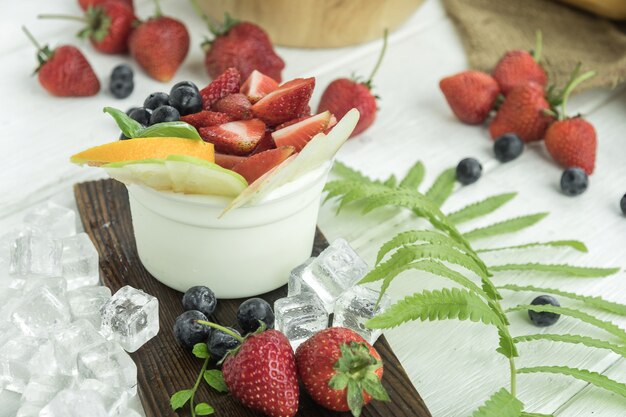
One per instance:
(215,379)
(339,381)
(200,350)
(180,398)
(355,397)
(372,385)
(203,409)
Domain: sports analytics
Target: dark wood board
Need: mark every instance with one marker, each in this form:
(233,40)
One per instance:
(163,366)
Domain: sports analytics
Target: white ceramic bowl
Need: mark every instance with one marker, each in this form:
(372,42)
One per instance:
(249,251)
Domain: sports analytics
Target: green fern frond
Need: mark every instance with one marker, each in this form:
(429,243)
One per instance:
(580,315)
(480,208)
(397,260)
(561,269)
(391,181)
(573,338)
(413,179)
(591,301)
(507,226)
(592,378)
(574,244)
(500,404)
(506,345)
(442,187)
(349,173)
(525,414)
(446,254)
(412,236)
(442,304)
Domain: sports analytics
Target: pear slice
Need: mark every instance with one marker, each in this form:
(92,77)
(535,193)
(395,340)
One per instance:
(149,172)
(321,149)
(196,176)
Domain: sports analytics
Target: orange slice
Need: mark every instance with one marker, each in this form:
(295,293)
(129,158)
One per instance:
(144,148)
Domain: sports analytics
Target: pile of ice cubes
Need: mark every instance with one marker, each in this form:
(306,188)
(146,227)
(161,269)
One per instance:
(326,285)
(63,338)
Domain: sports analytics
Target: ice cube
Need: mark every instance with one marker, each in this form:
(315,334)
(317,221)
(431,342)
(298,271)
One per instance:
(9,403)
(300,317)
(356,306)
(75,403)
(53,219)
(335,270)
(6,242)
(40,312)
(296,285)
(9,303)
(41,389)
(109,363)
(113,399)
(43,361)
(56,285)
(80,262)
(36,254)
(28,410)
(14,375)
(128,412)
(86,302)
(68,341)
(19,348)
(130,317)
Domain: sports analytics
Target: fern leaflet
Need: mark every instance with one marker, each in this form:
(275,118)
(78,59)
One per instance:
(348,173)
(412,236)
(433,305)
(442,187)
(413,179)
(596,302)
(480,208)
(593,378)
(561,269)
(500,404)
(573,338)
(507,226)
(580,315)
(574,244)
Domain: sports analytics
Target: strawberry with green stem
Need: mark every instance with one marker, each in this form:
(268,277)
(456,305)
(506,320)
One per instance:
(261,372)
(108,25)
(64,71)
(572,141)
(344,94)
(519,67)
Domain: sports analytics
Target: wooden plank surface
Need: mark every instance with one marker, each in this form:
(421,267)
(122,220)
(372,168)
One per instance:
(163,366)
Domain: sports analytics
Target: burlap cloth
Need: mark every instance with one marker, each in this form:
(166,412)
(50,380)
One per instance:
(488,28)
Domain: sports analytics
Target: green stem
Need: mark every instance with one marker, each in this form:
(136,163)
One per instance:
(380,60)
(538,46)
(196,385)
(64,17)
(157,5)
(41,54)
(513,377)
(221,328)
(570,87)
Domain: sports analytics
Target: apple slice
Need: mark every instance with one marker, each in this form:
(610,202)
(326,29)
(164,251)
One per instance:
(149,172)
(195,176)
(300,133)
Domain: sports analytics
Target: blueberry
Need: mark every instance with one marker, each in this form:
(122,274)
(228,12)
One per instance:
(140,114)
(122,72)
(219,343)
(130,110)
(508,147)
(253,310)
(186,99)
(200,298)
(184,84)
(164,114)
(544,318)
(468,171)
(574,181)
(622,204)
(156,100)
(121,88)
(187,332)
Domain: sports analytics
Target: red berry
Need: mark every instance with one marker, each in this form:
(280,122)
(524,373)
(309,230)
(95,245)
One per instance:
(517,68)
(471,95)
(227,83)
(572,143)
(344,94)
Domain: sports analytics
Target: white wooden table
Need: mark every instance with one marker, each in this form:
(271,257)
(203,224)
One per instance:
(452,364)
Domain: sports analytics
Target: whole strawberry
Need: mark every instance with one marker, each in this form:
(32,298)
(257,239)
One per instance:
(344,94)
(226,84)
(340,370)
(520,67)
(159,45)
(525,112)
(242,45)
(471,95)
(262,374)
(572,143)
(64,71)
(108,25)
(84,4)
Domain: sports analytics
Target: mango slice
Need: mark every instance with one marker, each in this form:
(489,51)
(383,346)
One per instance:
(144,148)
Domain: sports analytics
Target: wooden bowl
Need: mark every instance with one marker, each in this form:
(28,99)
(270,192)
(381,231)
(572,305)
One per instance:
(317,23)
(613,9)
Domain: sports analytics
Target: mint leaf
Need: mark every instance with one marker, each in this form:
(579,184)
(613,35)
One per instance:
(129,127)
(180,398)
(200,350)
(215,379)
(169,129)
(204,409)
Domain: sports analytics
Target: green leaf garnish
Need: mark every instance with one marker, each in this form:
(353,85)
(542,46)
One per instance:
(129,127)
(215,379)
(133,129)
(413,179)
(501,404)
(442,187)
(480,208)
(573,338)
(180,398)
(561,269)
(204,409)
(507,226)
(592,378)
(200,350)
(574,244)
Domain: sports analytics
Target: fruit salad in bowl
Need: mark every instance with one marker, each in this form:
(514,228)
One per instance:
(225,193)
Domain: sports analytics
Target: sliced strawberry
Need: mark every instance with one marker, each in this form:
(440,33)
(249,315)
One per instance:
(255,166)
(286,103)
(235,138)
(225,84)
(300,133)
(265,143)
(257,86)
(236,106)
(292,122)
(206,118)
(228,161)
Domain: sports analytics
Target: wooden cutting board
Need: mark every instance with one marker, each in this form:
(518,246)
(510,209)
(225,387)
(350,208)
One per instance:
(164,367)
